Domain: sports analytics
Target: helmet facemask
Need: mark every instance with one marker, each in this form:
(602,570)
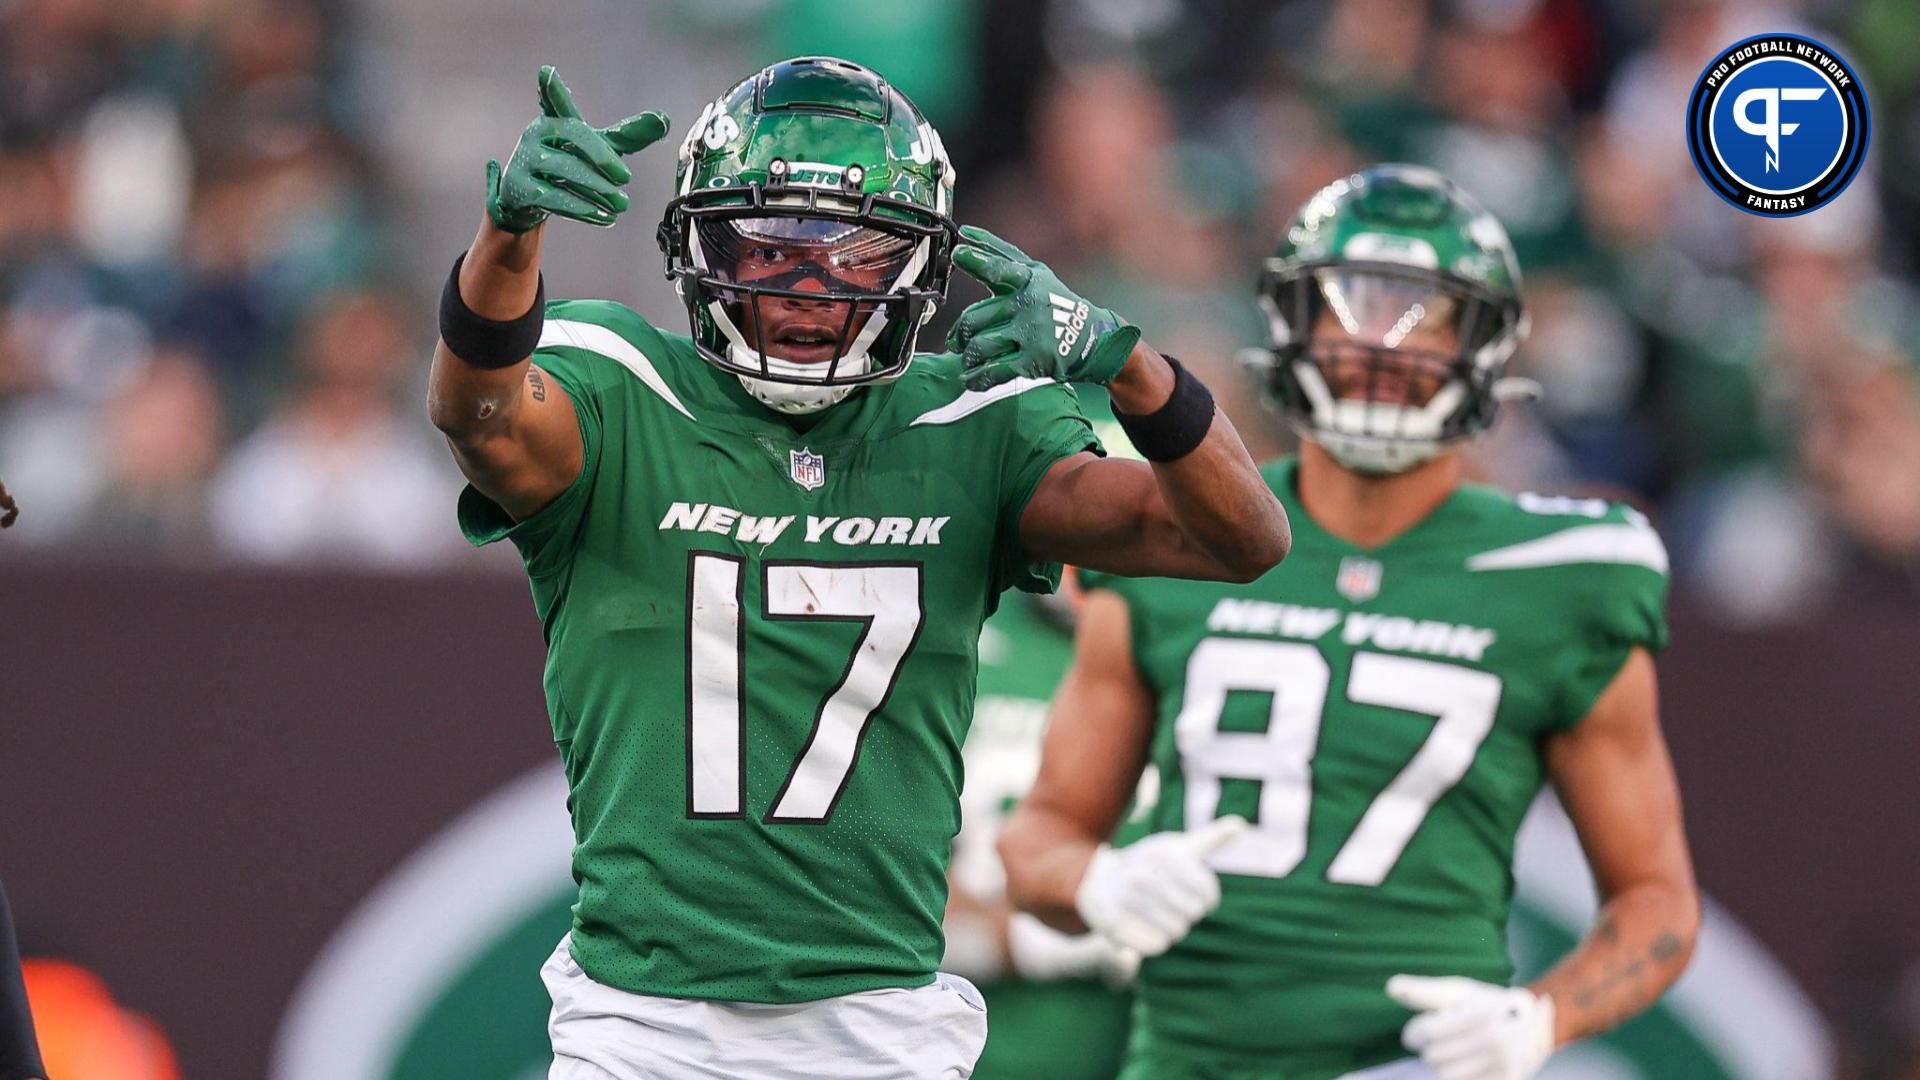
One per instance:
(1382,364)
(805,295)
(809,307)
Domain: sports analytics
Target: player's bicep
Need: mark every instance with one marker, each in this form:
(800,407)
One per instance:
(516,434)
(1099,726)
(1615,777)
(1109,514)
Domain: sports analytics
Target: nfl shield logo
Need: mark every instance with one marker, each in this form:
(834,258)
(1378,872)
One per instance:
(809,468)
(1359,579)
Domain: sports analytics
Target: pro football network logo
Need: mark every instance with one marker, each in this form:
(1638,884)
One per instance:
(1777,125)
(808,469)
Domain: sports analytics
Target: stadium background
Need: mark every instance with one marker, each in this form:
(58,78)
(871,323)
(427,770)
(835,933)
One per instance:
(249,669)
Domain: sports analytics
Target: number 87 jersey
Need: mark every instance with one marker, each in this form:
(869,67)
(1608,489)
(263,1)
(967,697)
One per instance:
(1377,714)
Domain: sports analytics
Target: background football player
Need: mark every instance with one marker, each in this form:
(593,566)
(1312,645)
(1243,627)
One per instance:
(1382,709)
(763,554)
(1059,1001)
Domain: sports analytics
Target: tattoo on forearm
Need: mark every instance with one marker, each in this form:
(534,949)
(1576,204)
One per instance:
(536,384)
(1621,989)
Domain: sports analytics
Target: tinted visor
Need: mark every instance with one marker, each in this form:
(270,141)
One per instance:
(809,298)
(1382,336)
(837,258)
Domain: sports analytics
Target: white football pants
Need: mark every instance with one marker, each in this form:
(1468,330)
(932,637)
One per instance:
(934,1032)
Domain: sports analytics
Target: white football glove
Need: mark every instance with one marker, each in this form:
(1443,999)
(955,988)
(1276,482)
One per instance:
(1040,953)
(1146,896)
(1471,1030)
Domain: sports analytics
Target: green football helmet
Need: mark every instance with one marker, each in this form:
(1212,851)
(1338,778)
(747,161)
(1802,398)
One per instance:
(812,234)
(1393,305)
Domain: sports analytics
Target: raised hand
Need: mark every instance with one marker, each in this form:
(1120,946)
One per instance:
(565,166)
(1033,325)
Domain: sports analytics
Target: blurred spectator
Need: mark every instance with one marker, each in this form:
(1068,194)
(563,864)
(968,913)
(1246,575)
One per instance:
(164,436)
(1644,103)
(1504,132)
(1860,445)
(1370,52)
(339,472)
(179,173)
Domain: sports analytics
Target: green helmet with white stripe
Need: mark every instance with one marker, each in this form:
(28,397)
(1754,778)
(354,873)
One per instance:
(1393,305)
(812,232)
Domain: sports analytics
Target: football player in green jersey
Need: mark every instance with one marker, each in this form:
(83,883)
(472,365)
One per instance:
(1058,1001)
(762,554)
(1383,708)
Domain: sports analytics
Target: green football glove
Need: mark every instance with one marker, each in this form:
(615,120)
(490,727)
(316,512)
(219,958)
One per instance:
(564,166)
(1032,325)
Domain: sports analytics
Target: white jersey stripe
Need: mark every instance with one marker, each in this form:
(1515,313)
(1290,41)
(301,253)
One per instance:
(598,339)
(1631,544)
(974,400)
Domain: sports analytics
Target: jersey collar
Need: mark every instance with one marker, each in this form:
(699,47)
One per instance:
(727,405)
(1284,477)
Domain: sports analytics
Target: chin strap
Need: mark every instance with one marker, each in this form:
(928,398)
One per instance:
(795,399)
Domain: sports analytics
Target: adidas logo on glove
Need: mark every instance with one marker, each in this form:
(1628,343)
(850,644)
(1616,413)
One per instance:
(1069,318)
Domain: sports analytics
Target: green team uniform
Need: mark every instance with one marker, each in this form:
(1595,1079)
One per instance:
(1378,715)
(1062,1029)
(762,643)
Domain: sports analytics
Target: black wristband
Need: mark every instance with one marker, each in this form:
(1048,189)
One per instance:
(484,342)
(1171,432)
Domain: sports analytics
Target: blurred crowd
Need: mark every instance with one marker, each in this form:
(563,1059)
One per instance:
(206,354)
(201,353)
(1751,382)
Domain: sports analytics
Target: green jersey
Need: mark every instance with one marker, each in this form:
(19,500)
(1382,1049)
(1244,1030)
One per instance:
(761,649)
(1378,714)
